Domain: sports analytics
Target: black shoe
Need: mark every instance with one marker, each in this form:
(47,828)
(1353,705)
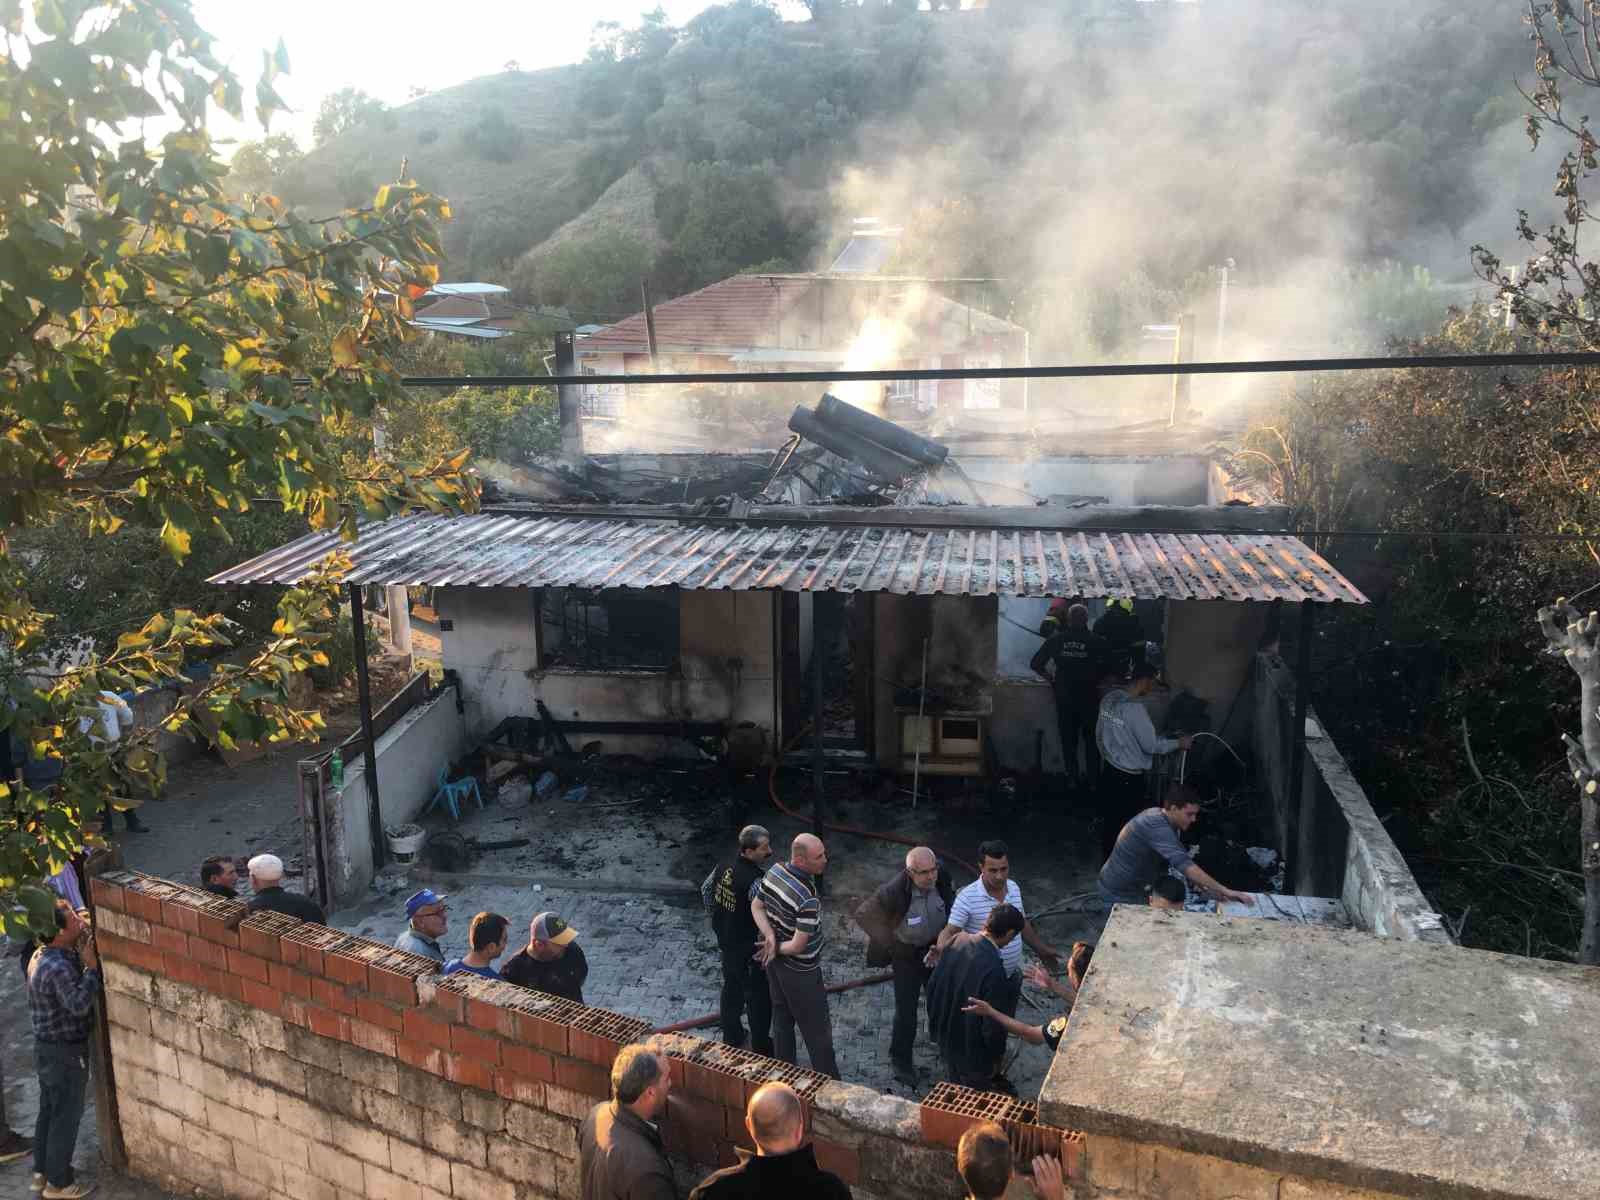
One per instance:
(906,1073)
(14,1146)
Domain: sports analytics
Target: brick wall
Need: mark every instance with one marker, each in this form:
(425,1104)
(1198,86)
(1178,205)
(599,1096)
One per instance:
(267,1057)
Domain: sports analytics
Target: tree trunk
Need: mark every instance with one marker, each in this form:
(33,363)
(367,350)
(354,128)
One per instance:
(1589,818)
(1577,639)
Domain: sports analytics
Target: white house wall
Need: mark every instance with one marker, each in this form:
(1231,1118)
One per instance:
(409,755)
(725,673)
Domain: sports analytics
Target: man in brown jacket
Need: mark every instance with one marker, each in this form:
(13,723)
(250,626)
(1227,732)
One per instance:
(619,1147)
(903,918)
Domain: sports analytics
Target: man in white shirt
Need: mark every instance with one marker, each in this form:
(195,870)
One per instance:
(114,722)
(971,910)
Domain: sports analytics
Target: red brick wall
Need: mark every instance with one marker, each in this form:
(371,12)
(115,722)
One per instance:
(259,1056)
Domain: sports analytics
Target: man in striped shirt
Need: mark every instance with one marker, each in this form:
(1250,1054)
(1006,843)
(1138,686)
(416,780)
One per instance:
(788,916)
(971,909)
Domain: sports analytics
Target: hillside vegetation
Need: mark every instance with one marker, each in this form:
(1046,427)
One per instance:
(1102,151)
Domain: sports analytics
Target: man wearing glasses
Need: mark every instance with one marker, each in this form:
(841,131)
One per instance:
(427,920)
(902,920)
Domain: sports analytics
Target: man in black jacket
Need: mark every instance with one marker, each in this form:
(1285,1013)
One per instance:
(902,919)
(970,968)
(726,894)
(1076,658)
(784,1166)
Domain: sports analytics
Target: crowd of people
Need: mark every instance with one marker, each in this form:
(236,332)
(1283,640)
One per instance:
(621,1155)
(955,955)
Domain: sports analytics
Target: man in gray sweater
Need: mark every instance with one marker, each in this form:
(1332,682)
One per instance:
(1128,744)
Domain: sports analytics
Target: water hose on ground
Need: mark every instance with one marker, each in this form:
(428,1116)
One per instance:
(831,989)
(858,831)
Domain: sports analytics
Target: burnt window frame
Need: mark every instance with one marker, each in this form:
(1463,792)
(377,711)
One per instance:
(608,655)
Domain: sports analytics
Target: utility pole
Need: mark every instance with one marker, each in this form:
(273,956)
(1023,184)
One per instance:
(369,749)
(1182,352)
(1222,307)
(569,405)
(649,321)
(817,759)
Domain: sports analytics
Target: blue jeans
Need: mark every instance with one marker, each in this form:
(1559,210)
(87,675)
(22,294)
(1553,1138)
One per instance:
(63,1079)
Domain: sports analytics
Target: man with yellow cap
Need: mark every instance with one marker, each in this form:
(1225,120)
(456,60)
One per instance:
(552,961)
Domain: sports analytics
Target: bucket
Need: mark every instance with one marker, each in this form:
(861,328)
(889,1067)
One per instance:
(405,840)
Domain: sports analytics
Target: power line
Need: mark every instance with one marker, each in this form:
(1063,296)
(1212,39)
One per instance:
(1283,366)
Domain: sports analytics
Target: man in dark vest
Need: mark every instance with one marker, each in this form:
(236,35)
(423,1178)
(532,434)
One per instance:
(726,895)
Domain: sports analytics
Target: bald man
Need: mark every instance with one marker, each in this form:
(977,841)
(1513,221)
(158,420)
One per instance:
(788,917)
(903,918)
(783,1165)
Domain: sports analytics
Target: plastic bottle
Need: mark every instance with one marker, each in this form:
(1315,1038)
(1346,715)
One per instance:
(336,769)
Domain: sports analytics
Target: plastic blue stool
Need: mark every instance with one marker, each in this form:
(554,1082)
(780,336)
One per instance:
(453,793)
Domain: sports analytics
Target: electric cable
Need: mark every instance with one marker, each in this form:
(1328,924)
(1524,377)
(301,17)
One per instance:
(1285,366)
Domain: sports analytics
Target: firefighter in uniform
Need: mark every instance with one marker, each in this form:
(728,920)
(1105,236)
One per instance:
(1076,658)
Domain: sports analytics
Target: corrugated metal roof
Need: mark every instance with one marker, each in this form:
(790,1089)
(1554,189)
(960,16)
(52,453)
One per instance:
(488,550)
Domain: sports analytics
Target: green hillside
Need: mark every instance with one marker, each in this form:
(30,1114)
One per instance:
(1110,148)
(504,148)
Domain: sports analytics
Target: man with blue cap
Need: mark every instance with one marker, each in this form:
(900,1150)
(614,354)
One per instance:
(426,912)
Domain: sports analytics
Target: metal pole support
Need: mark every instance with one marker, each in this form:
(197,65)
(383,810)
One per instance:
(369,753)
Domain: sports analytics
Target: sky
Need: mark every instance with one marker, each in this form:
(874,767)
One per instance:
(387,49)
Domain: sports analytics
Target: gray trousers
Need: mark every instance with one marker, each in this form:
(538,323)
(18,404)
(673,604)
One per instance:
(798,999)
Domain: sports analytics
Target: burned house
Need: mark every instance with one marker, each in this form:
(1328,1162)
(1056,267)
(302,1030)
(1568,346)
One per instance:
(774,323)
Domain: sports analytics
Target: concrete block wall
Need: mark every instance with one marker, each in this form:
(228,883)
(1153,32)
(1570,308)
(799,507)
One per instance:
(1327,829)
(1122,1169)
(430,736)
(259,1056)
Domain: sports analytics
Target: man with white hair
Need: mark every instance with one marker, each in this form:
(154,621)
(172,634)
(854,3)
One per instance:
(903,918)
(266,881)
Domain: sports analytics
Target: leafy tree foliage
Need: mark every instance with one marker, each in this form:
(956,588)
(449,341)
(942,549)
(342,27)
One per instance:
(1555,295)
(168,352)
(717,218)
(257,166)
(1440,693)
(343,111)
(597,275)
(492,136)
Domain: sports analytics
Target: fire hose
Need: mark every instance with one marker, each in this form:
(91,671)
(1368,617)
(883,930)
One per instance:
(831,989)
(832,827)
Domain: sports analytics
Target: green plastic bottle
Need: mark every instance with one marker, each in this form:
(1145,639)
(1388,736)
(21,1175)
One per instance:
(336,769)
